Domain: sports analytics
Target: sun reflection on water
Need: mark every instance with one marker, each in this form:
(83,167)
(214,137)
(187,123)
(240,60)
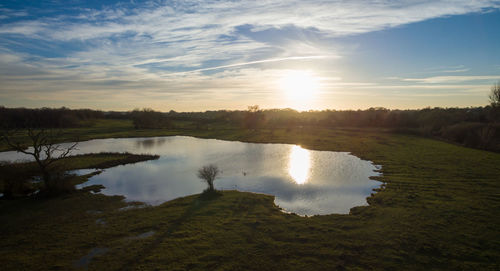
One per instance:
(299,164)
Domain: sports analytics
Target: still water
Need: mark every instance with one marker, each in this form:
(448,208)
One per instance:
(304,182)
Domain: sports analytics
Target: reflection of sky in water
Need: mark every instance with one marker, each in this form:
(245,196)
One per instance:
(303,181)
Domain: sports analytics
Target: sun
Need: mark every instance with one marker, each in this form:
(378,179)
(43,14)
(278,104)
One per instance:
(299,86)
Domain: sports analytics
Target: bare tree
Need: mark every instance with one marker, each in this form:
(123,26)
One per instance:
(254,117)
(43,149)
(209,174)
(495,95)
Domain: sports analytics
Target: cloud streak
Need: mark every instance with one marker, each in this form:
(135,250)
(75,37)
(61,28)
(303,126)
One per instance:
(260,62)
(451,79)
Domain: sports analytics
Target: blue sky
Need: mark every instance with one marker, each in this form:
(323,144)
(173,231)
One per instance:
(205,55)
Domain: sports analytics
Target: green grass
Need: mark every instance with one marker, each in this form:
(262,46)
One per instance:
(439,210)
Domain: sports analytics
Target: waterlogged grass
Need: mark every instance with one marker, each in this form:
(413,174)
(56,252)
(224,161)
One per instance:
(16,176)
(438,210)
(104,160)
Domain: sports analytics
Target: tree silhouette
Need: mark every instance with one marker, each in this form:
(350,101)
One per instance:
(43,148)
(209,174)
(254,117)
(495,95)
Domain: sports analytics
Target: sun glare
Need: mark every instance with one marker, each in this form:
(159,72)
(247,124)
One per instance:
(299,164)
(299,87)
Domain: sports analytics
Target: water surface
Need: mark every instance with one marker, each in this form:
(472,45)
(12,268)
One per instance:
(304,182)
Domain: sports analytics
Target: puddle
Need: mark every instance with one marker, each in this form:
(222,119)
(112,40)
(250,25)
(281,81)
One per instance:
(142,235)
(132,207)
(85,260)
(94,212)
(145,235)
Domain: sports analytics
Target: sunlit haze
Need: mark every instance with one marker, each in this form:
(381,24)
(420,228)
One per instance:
(209,55)
(300,89)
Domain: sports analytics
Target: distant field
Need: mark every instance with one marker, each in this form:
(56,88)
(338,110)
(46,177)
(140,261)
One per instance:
(439,210)
(104,128)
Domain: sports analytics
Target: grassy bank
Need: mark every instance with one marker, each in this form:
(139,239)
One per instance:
(438,210)
(15,176)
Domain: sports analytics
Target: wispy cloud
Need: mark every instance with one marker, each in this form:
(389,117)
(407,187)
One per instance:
(207,29)
(452,79)
(451,69)
(260,62)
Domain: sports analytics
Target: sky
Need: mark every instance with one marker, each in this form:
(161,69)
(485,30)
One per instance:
(208,55)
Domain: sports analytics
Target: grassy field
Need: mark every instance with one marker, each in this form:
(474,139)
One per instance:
(439,209)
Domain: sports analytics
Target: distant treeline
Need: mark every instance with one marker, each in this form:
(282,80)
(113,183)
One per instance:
(477,127)
(150,119)
(52,117)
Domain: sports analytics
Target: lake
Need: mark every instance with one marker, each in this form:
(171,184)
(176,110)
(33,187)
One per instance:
(303,181)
